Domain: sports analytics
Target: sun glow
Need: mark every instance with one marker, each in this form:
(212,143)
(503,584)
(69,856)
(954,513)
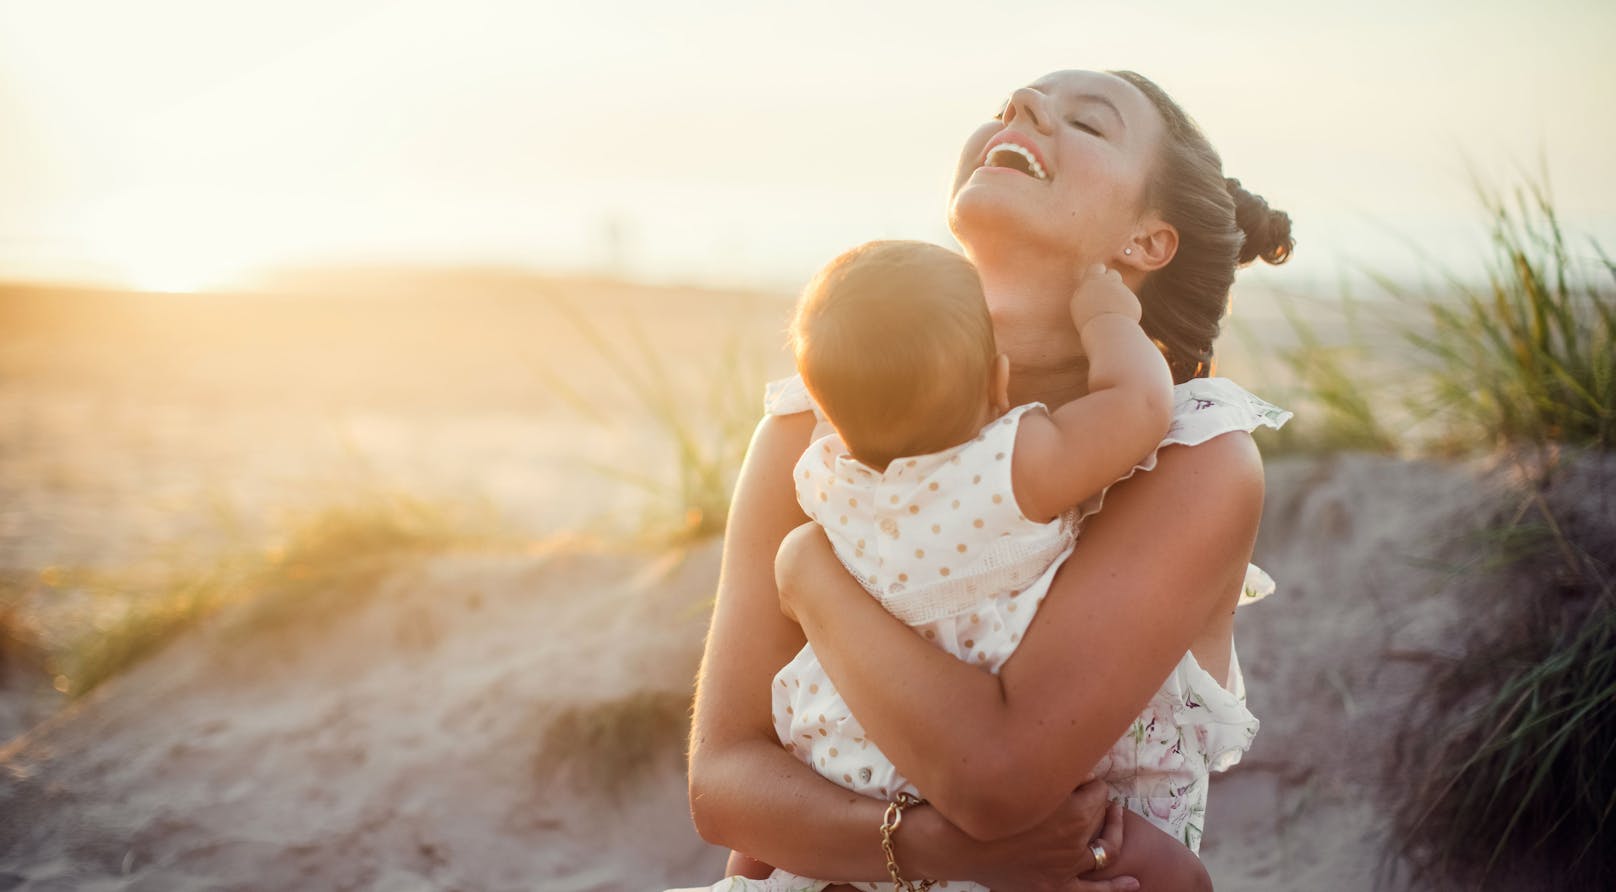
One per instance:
(168,239)
(228,137)
(173,267)
(168,281)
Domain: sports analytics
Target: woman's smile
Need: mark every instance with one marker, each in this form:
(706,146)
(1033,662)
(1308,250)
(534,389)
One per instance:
(1015,151)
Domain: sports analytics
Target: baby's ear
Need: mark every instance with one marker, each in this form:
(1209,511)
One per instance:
(999,385)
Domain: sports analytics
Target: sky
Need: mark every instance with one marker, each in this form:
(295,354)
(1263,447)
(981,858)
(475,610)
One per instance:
(187,144)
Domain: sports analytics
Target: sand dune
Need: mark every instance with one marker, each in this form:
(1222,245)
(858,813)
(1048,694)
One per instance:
(402,745)
(508,718)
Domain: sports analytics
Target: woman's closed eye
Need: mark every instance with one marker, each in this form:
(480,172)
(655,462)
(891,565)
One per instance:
(1089,128)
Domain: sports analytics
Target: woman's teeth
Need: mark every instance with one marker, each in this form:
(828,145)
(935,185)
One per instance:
(1011,153)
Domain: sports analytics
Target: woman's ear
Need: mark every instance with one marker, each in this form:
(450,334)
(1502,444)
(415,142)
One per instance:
(1151,248)
(999,385)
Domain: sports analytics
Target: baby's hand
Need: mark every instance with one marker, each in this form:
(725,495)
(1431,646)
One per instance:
(1101,291)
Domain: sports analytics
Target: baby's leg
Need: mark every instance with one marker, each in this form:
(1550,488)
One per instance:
(746,866)
(1159,862)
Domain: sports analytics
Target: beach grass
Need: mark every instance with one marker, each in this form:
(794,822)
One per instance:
(606,746)
(1519,360)
(1509,764)
(1337,389)
(325,559)
(706,426)
(1529,359)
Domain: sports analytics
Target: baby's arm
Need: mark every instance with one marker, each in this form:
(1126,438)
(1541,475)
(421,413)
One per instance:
(1087,444)
(1156,860)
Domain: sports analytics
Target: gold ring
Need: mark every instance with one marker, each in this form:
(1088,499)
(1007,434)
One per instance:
(1101,859)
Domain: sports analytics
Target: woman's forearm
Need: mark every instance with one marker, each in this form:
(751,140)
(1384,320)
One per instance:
(761,800)
(746,791)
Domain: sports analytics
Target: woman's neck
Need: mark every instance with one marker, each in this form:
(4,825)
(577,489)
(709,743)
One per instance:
(1032,322)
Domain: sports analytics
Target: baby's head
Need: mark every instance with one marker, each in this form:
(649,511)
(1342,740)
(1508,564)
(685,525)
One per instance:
(894,343)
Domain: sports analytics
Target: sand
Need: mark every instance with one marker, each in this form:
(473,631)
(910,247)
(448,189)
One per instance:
(401,746)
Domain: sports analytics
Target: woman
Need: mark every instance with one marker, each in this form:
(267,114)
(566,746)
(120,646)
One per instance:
(1126,181)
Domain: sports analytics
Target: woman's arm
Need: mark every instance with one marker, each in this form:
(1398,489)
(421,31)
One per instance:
(996,753)
(747,792)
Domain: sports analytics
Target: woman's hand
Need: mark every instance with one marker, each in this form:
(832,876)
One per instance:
(1054,854)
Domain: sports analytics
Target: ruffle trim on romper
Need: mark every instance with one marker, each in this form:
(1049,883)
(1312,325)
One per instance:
(788,396)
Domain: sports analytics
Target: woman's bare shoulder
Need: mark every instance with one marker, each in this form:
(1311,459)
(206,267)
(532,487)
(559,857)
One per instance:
(1220,479)
(1175,535)
(1229,461)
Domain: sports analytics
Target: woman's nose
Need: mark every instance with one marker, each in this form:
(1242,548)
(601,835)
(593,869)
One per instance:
(1029,102)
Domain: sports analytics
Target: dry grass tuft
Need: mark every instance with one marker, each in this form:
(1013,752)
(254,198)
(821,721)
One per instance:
(1338,399)
(327,560)
(606,746)
(707,431)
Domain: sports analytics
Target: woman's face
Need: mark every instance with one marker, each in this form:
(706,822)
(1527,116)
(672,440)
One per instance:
(1063,168)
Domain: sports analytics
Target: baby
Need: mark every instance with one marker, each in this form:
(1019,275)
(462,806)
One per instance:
(939,497)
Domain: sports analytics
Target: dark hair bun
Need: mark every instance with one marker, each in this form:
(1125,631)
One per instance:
(1268,232)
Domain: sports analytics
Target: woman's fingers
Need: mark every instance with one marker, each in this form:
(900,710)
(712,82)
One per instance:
(1094,795)
(1111,833)
(1115,884)
(1090,804)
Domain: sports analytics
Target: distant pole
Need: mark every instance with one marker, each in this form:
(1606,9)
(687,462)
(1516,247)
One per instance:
(617,235)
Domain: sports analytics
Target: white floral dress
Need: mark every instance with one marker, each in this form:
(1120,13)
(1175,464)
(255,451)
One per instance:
(951,518)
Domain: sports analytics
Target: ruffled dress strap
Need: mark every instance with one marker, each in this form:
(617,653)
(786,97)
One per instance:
(1258,585)
(1203,408)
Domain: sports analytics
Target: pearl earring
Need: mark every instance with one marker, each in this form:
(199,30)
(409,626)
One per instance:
(1127,250)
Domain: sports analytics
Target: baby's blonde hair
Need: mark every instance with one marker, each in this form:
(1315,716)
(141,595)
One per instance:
(894,342)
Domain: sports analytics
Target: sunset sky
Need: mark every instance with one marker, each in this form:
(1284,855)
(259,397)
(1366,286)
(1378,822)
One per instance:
(182,144)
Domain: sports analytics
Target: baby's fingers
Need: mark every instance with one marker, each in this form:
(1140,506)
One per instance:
(1094,271)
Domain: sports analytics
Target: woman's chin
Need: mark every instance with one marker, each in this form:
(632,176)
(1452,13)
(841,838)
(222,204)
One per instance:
(985,212)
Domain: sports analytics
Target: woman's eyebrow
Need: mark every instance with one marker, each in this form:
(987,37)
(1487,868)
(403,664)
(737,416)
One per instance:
(1049,89)
(1096,97)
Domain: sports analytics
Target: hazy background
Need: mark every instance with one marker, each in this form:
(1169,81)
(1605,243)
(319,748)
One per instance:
(191,144)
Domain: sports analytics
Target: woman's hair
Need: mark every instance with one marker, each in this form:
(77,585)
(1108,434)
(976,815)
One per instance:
(1220,226)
